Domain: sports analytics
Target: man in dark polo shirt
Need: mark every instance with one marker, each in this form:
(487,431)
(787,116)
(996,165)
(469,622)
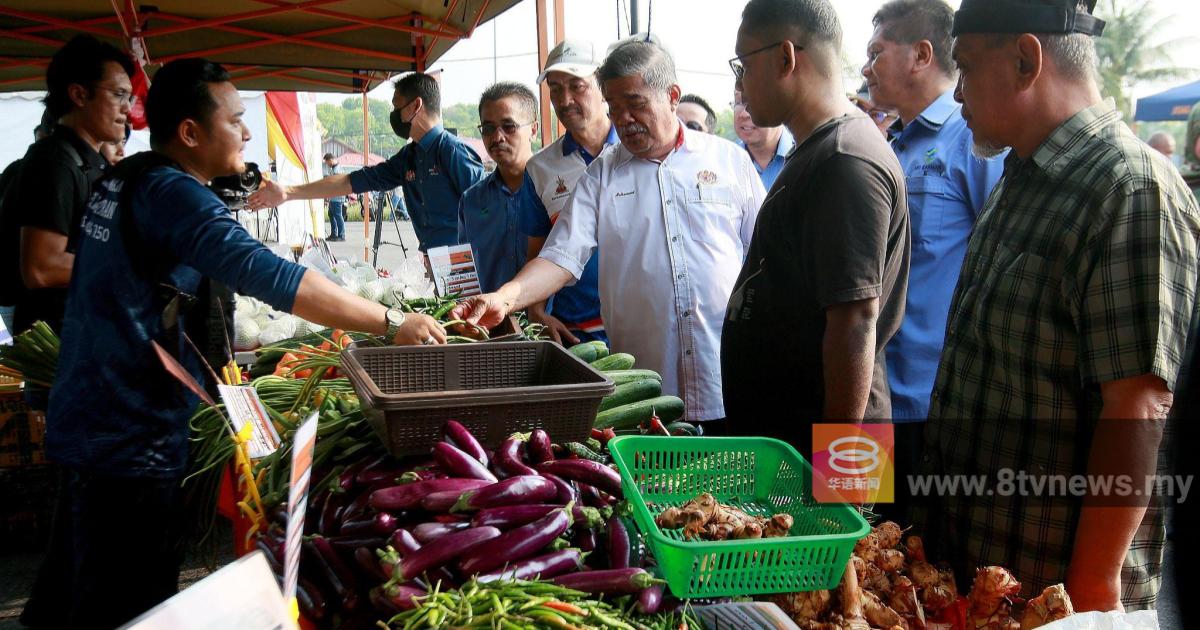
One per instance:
(88,93)
(823,286)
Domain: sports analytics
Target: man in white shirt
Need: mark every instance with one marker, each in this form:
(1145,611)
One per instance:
(673,210)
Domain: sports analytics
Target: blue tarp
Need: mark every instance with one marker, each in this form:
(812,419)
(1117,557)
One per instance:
(1174,104)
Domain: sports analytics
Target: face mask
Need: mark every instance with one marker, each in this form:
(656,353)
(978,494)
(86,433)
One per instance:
(399,125)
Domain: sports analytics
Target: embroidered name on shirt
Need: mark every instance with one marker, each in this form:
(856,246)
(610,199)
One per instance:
(625,194)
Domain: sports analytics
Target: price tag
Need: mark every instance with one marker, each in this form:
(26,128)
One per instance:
(243,407)
(453,270)
(302,460)
(249,600)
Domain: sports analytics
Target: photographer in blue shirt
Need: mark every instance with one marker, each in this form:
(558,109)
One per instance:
(434,169)
(152,233)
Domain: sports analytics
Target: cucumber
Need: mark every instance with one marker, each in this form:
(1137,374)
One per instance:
(631,393)
(589,351)
(620,377)
(668,408)
(683,428)
(618,361)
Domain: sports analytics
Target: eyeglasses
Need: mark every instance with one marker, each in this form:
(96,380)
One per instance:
(880,115)
(509,128)
(739,69)
(122,95)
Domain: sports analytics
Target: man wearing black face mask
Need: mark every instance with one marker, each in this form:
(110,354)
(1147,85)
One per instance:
(434,168)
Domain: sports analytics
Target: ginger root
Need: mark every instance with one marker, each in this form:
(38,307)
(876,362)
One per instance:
(915,548)
(889,535)
(992,588)
(1053,604)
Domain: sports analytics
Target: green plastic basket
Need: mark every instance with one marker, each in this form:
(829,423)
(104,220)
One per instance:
(760,476)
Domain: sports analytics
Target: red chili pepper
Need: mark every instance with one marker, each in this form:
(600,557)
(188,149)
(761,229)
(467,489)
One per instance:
(607,435)
(597,434)
(656,426)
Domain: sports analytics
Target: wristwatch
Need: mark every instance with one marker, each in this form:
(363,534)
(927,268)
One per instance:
(394,318)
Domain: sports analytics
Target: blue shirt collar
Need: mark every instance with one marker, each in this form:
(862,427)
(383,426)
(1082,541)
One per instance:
(427,140)
(786,144)
(494,180)
(939,111)
(569,145)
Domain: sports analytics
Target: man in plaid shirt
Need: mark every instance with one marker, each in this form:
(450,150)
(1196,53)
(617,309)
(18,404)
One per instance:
(1067,329)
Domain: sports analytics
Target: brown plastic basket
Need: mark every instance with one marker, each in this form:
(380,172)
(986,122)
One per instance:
(494,389)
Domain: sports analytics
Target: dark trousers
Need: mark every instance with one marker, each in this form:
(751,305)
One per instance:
(337,219)
(114,553)
(909,444)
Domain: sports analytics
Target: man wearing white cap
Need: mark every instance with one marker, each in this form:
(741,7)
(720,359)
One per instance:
(573,314)
(672,210)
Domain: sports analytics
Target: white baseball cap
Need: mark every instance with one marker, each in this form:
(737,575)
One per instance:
(574,57)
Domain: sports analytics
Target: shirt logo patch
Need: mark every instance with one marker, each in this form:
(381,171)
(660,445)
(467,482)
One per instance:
(562,186)
(410,176)
(706,178)
(433,170)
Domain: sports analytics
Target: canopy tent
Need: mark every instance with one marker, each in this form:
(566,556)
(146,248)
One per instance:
(1173,104)
(298,45)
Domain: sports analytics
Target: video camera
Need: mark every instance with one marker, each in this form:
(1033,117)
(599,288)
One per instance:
(234,190)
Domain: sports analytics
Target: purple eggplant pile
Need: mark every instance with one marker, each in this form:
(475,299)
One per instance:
(385,532)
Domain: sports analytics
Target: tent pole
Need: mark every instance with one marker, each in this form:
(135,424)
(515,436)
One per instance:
(543,51)
(366,150)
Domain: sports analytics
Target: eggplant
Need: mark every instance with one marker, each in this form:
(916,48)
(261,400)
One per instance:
(381,604)
(403,596)
(539,449)
(272,559)
(422,474)
(380,524)
(409,495)
(358,507)
(516,544)
(386,475)
(650,599)
(340,578)
(330,521)
(350,543)
(617,544)
(511,491)
(440,502)
(346,480)
(426,533)
(403,542)
(585,471)
(367,561)
(566,491)
(508,458)
(544,566)
(590,496)
(510,516)
(609,581)
(460,463)
(449,548)
(587,540)
(311,600)
(459,436)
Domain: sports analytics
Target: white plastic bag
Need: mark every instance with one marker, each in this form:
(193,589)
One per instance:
(1140,620)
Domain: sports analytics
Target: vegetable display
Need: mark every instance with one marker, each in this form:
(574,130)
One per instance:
(706,518)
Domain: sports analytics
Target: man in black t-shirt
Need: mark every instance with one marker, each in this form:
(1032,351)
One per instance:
(88,93)
(823,286)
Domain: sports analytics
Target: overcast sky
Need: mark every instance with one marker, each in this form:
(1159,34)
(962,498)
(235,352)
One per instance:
(699,33)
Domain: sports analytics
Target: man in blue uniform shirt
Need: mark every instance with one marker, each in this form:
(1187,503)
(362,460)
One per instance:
(118,422)
(488,213)
(909,70)
(434,169)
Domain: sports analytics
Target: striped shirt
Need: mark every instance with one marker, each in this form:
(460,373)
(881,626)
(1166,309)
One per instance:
(1082,270)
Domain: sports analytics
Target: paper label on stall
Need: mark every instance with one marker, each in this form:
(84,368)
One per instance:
(454,271)
(302,460)
(316,260)
(243,407)
(248,597)
(5,336)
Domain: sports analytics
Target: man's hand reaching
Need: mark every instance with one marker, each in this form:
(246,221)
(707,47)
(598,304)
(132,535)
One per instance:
(485,310)
(269,194)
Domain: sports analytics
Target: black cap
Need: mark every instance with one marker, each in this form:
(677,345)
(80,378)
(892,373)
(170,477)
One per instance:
(1057,17)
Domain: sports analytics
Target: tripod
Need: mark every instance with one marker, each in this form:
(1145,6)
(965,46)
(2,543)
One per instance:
(385,205)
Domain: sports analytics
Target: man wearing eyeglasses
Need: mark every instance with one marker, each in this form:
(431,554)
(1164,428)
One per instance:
(489,211)
(89,94)
(909,69)
(434,169)
(822,289)
(672,211)
(768,146)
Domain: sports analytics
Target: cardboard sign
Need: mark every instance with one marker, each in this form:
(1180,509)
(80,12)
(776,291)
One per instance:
(453,270)
(243,595)
(243,407)
(302,461)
